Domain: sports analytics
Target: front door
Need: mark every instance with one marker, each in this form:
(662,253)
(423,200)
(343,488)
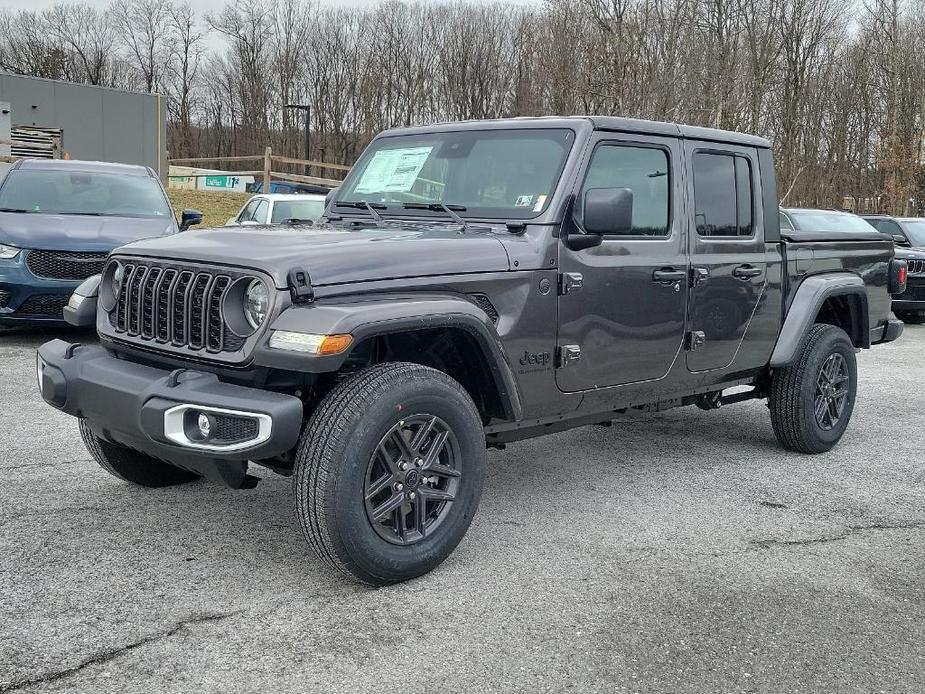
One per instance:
(626,321)
(728,266)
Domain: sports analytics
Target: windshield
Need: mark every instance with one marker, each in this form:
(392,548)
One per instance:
(482,173)
(829,221)
(72,192)
(284,210)
(915,231)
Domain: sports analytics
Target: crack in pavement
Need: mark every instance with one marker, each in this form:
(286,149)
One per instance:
(53,464)
(852,530)
(106,656)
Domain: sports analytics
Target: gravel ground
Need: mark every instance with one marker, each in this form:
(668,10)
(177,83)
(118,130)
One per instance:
(684,552)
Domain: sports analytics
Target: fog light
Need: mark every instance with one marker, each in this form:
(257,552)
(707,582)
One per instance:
(205,425)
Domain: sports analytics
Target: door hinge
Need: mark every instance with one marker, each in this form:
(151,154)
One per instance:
(695,339)
(699,275)
(570,282)
(567,354)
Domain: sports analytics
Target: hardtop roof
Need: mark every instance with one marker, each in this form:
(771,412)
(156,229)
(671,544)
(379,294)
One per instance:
(607,123)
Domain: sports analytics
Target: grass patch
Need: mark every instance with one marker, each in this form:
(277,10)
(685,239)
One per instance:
(216,208)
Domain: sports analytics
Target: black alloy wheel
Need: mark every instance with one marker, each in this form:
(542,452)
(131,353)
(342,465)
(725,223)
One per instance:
(832,390)
(412,479)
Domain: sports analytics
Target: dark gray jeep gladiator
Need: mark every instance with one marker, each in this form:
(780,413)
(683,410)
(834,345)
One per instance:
(472,284)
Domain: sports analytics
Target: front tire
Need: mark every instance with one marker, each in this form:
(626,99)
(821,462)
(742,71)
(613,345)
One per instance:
(132,466)
(812,400)
(388,473)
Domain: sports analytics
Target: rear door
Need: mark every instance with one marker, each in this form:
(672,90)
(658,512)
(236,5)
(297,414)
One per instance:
(626,321)
(728,263)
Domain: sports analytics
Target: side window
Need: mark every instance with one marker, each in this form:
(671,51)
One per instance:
(723,200)
(642,169)
(260,214)
(785,222)
(888,226)
(247,214)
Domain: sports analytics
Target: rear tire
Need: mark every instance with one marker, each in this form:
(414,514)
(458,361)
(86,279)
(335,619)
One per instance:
(812,400)
(132,466)
(413,434)
(911,318)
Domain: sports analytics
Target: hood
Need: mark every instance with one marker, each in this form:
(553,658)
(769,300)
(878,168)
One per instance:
(68,232)
(334,255)
(905,253)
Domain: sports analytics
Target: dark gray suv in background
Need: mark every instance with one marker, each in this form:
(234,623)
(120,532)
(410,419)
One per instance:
(909,235)
(472,284)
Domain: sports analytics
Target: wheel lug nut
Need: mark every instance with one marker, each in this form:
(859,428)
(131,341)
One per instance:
(403,466)
(418,462)
(399,487)
(411,495)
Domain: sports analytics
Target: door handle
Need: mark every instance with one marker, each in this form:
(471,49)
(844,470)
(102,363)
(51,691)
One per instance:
(668,276)
(744,272)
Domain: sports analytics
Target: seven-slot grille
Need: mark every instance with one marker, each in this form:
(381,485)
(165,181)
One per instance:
(915,267)
(65,265)
(174,306)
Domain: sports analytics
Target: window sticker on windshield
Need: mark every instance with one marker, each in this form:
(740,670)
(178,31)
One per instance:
(540,201)
(524,201)
(393,170)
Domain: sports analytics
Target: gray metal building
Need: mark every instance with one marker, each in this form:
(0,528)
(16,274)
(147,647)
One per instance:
(96,123)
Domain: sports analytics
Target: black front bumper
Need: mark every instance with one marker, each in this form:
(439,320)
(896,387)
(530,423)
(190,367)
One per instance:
(128,404)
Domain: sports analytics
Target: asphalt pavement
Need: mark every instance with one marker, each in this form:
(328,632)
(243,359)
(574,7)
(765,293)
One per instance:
(683,552)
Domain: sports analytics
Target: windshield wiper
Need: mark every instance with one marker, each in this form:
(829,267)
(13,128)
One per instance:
(371,207)
(15,210)
(440,207)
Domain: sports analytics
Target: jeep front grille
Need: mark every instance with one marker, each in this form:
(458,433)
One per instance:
(175,305)
(65,265)
(915,267)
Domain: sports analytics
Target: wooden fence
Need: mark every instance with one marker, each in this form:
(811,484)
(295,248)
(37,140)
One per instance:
(267,173)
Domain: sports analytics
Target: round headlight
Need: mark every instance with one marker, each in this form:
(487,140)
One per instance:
(117,276)
(256,303)
(111,285)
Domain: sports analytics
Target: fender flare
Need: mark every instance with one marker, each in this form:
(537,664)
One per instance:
(372,316)
(808,300)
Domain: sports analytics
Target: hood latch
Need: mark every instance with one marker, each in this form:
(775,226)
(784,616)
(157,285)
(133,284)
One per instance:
(300,286)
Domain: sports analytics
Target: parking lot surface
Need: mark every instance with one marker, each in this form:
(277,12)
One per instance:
(680,552)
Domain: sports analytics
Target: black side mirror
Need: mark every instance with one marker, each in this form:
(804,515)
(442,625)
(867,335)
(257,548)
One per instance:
(608,211)
(190,218)
(330,196)
(900,240)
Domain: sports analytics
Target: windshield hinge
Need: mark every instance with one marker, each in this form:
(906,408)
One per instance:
(300,286)
(516,227)
(570,282)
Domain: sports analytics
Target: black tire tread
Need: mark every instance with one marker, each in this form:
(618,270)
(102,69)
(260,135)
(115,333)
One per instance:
(324,437)
(786,393)
(132,466)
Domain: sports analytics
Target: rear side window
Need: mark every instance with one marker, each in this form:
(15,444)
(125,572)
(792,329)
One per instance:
(644,170)
(723,200)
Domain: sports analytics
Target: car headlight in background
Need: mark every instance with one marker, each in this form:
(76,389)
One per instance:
(310,343)
(8,252)
(256,303)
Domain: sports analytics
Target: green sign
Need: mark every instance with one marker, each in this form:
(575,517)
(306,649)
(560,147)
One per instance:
(221,181)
